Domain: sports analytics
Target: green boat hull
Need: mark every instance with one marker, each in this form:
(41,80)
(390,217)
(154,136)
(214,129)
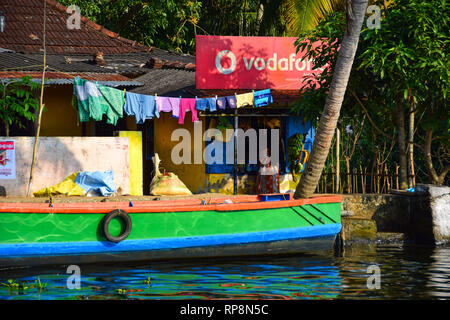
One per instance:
(65,238)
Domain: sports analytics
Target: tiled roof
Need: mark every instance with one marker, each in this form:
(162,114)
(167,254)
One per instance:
(51,77)
(24,29)
(76,50)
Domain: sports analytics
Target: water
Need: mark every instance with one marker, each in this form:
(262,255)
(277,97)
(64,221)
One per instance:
(405,273)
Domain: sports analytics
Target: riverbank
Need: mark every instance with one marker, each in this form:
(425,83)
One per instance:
(420,217)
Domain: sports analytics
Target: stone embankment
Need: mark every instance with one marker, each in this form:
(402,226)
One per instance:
(420,217)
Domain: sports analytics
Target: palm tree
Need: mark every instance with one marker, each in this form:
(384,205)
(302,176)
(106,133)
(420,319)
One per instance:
(327,125)
(304,15)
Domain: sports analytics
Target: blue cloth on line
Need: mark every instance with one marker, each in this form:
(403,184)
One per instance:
(100,182)
(141,106)
(231,100)
(221,103)
(262,98)
(203,103)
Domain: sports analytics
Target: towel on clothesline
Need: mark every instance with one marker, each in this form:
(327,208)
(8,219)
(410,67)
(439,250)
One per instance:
(262,98)
(203,103)
(96,100)
(168,104)
(245,99)
(141,106)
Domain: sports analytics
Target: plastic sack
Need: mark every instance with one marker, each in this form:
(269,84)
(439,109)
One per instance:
(168,184)
(81,183)
(99,182)
(67,187)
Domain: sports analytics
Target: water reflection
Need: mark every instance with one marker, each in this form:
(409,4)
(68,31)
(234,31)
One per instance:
(439,275)
(406,273)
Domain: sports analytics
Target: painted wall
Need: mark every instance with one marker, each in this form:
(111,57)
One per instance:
(59,118)
(193,175)
(136,161)
(58,157)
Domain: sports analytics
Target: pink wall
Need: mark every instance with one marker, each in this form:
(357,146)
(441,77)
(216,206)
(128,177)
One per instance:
(58,157)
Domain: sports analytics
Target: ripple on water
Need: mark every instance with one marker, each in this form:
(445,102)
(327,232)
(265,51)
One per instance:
(405,273)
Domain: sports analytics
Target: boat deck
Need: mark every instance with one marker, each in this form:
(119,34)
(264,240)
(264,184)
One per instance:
(203,202)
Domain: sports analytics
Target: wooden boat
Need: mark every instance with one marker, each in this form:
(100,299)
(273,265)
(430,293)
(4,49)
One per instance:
(76,233)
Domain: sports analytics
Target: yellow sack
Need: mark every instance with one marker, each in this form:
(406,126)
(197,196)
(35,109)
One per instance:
(68,187)
(168,184)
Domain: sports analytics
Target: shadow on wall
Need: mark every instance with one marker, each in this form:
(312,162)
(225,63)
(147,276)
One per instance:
(240,78)
(53,161)
(58,157)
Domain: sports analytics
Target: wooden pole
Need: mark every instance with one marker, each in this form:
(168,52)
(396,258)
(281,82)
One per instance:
(41,107)
(411,178)
(338,138)
(333,188)
(396,176)
(235,167)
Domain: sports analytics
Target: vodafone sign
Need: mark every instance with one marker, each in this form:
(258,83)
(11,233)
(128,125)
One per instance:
(249,63)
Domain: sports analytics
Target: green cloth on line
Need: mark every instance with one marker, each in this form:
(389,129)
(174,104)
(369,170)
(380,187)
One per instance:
(96,100)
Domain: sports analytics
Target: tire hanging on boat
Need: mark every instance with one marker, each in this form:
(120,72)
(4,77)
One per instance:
(107,219)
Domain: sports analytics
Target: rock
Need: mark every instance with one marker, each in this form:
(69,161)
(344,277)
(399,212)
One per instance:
(2,191)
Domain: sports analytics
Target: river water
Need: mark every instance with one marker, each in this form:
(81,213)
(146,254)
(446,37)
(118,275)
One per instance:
(360,272)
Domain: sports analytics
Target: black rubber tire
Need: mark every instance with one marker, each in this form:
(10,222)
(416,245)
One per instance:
(107,219)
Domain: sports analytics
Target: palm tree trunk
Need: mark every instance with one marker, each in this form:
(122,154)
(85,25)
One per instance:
(333,103)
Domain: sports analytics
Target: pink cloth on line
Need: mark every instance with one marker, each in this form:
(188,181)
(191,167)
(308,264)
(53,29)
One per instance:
(187,104)
(167,104)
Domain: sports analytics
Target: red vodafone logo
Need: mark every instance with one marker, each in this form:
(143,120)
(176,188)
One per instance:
(230,57)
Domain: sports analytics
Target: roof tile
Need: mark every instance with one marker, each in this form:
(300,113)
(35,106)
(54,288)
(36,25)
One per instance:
(87,40)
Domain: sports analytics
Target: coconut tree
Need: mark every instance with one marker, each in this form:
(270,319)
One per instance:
(327,124)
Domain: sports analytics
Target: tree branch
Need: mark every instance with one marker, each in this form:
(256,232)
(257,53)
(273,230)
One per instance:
(367,113)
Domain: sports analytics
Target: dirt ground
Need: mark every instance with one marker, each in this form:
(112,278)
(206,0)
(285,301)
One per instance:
(125,198)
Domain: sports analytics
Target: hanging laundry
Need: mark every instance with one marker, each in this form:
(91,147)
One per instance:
(231,101)
(187,104)
(203,103)
(141,106)
(263,98)
(168,104)
(243,100)
(95,100)
(221,103)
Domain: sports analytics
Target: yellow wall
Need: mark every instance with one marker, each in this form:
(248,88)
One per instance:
(193,175)
(136,164)
(59,118)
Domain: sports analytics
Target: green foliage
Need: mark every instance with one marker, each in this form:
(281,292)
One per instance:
(294,151)
(409,53)
(173,24)
(17,101)
(170,24)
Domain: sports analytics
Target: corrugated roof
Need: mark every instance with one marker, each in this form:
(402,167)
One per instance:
(112,80)
(165,81)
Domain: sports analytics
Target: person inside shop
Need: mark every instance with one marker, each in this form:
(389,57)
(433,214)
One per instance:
(267,179)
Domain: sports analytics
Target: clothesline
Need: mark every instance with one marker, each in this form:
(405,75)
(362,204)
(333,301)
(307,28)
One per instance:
(95,100)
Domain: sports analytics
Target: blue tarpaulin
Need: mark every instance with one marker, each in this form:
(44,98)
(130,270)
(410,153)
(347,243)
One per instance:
(99,182)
